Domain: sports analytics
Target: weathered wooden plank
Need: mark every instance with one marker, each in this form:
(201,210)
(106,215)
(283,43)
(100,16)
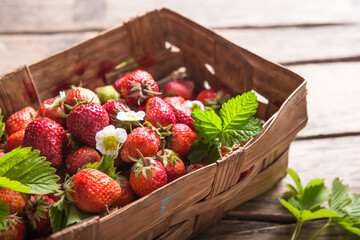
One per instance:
(223,232)
(16,50)
(71,15)
(293,44)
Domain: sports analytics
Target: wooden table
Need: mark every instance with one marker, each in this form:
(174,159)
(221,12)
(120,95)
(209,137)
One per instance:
(319,40)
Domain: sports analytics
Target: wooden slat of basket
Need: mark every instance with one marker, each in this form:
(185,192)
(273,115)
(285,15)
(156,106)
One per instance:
(18,91)
(179,231)
(86,230)
(143,214)
(86,62)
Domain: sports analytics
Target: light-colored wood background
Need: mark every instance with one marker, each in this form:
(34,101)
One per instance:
(320,40)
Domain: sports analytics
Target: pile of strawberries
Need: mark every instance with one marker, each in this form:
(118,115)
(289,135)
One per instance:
(75,129)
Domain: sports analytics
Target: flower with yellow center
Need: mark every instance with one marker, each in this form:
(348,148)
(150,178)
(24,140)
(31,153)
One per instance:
(131,116)
(109,139)
(194,104)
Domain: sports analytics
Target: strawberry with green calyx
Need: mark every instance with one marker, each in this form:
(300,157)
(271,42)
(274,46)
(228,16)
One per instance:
(174,166)
(78,96)
(13,199)
(138,87)
(81,157)
(112,108)
(53,108)
(147,175)
(47,136)
(213,98)
(144,139)
(182,139)
(19,120)
(37,212)
(182,88)
(107,93)
(85,121)
(15,140)
(15,229)
(127,195)
(235,124)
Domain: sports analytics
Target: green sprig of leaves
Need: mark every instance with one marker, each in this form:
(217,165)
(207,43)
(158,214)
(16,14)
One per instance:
(235,124)
(306,203)
(106,165)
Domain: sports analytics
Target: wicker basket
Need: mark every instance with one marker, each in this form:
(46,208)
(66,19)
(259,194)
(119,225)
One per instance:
(195,201)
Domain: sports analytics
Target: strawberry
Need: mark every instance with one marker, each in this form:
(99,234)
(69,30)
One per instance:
(80,94)
(194,166)
(94,190)
(2,153)
(174,166)
(138,87)
(174,100)
(182,88)
(47,136)
(13,199)
(80,157)
(112,108)
(107,93)
(118,83)
(214,97)
(159,112)
(182,139)
(147,175)
(15,229)
(85,121)
(183,115)
(127,195)
(15,140)
(37,212)
(19,120)
(143,139)
(48,110)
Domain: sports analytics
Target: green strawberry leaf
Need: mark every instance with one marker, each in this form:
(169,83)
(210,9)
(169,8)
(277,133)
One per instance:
(238,110)
(354,211)
(340,198)
(314,194)
(198,151)
(208,124)
(106,165)
(75,215)
(296,179)
(349,226)
(296,212)
(307,215)
(4,213)
(13,185)
(14,157)
(214,153)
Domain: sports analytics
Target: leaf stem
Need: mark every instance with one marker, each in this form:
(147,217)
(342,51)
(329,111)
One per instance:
(322,229)
(297,230)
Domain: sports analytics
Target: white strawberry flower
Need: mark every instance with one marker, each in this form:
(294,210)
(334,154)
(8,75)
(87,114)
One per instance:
(109,139)
(131,116)
(194,104)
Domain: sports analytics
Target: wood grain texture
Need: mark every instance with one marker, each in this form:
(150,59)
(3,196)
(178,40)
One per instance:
(72,15)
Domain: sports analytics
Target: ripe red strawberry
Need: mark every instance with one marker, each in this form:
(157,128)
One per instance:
(19,120)
(138,87)
(182,139)
(182,88)
(159,112)
(174,100)
(37,212)
(2,153)
(15,140)
(82,95)
(118,83)
(85,121)
(143,139)
(183,115)
(127,195)
(15,229)
(194,166)
(80,157)
(94,190)
(54,113)
(147,175)
(112,108)
(174,166)
(13,199)
(214,97)
(47,136)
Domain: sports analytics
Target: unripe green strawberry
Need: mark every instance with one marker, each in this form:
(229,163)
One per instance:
(107,93)
(147,175)
(94,190)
